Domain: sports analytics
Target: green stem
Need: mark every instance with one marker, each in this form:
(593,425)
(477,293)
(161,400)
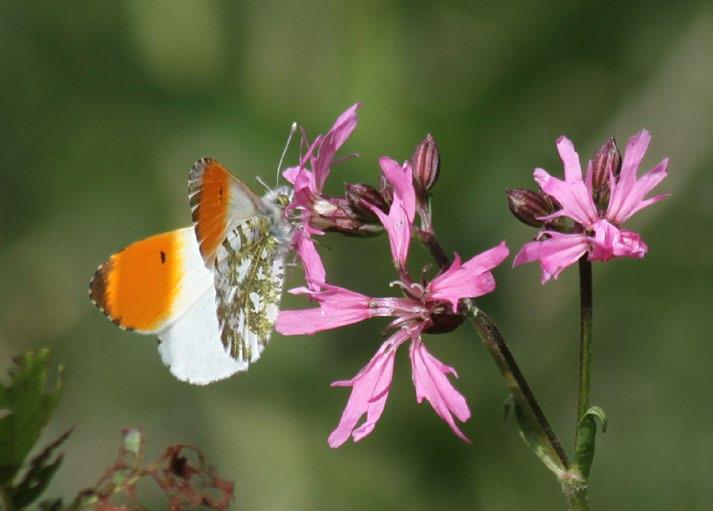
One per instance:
(585,336)
(534,427)
(552,453)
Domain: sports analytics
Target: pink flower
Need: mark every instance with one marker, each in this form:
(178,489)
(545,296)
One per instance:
(597,233)
(416,312)
(309,176)
(309,184)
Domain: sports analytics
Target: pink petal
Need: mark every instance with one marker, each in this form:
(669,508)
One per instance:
(470,279)
(401,179)
(570,160)
(290,174)
(370,389)
(312,263)
(337,307)
(487,260)
(611,241)
(574,196)
(555,254)
(627,198)
(330,144)
(430,377)
(398,227)
(633,155)
(299,176)
(344,125)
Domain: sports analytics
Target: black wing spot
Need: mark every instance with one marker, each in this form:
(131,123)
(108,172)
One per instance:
(163,257)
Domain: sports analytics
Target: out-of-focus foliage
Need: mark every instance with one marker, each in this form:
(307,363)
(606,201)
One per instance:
(186,483)
(182,473)
(29,404)
(105,105)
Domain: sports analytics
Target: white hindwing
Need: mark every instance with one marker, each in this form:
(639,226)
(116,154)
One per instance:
(249,273)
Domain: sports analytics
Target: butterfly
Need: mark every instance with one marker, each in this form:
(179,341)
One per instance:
(210,292)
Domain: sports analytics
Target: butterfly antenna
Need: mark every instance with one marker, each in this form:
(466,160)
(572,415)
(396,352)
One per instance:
(263,183)
(293,129)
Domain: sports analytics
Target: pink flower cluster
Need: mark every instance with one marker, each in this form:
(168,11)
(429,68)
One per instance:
(578,215)
(597,233)
(418,310)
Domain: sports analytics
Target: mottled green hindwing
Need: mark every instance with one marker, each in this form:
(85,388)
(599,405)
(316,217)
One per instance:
(249,274)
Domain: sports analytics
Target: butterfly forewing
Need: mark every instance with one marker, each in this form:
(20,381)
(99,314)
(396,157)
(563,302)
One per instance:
(249,274)
(219,202)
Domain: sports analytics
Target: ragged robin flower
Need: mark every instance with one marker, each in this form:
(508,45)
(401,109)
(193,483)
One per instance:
(317,212)
(595,205)
(424,307)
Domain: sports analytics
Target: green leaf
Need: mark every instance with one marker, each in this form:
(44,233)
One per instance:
(587,438)
(39,474)
(533,437)
(596,411)
(31,403)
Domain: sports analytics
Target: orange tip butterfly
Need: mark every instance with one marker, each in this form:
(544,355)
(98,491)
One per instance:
(210,292)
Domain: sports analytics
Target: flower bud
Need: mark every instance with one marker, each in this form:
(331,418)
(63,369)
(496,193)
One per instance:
(426,163)
(606,161)
(528,206)
(337,215)
(359,195)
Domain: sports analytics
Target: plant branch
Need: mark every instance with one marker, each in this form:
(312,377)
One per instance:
(553,454)
(585,336)
(535,428)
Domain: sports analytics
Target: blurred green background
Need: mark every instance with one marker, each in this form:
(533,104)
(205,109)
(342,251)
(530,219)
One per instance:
(105,105)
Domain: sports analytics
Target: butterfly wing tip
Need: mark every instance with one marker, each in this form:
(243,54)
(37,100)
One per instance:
(98,286)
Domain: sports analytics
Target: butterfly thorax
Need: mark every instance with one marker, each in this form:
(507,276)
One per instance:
(275,203)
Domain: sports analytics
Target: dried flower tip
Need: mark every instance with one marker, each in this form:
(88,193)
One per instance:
(606,162)
(426,164)
(360,195)
(528,206)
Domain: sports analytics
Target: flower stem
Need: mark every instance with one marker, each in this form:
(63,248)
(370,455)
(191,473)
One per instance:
(539,435)
(429,240)
(544,441)
(534,427)
(585,336)
(586,428)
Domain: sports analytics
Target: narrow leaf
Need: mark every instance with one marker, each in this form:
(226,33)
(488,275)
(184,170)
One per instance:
(587,438)
(39,474)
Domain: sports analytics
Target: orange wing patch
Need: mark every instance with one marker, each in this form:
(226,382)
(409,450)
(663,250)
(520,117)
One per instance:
(218,200)
(210,215)
(137,287)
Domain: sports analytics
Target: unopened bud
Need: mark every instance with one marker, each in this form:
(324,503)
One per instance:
(337,215)
(359,195)
(606,162)
(529,206)
(426,163)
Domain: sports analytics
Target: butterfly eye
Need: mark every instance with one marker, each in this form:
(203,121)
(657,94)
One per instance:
(282,200)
